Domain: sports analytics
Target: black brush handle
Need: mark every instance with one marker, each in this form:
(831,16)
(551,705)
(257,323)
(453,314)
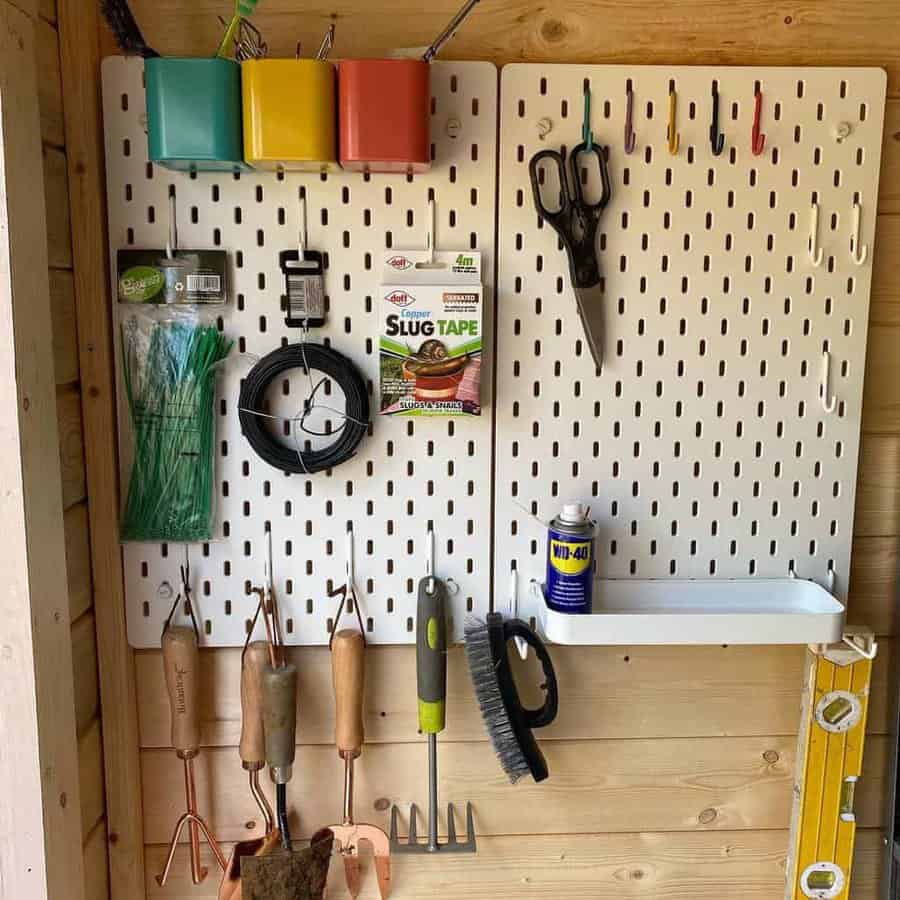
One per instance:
(537,718)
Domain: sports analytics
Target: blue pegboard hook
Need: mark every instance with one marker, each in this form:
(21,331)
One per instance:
(586,134)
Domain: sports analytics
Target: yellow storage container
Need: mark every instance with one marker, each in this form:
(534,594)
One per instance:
(289,114)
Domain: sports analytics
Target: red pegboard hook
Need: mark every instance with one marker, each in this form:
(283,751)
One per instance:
(758,141)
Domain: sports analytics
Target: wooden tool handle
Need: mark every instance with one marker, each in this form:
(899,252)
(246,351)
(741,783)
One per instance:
(180,659)
(280,719)
(253,741)
(348,670)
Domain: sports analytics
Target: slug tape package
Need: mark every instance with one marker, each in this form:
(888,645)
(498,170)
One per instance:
(431,332)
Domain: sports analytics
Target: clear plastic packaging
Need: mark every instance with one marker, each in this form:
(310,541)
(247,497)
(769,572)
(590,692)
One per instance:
(169,358)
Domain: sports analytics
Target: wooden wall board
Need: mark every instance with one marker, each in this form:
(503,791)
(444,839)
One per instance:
(90,777)
(78,560)
(703,866)
(65,334)
(50,95)
(96,868)
(881,400)
(596,786)
(671,683)
(84,672)
(749,32)
(79,25)
(874,584)
(56,195)
(885,306)
(71,446)
(40,841)
(621,692)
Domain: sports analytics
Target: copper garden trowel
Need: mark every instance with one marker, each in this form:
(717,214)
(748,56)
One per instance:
(253,757)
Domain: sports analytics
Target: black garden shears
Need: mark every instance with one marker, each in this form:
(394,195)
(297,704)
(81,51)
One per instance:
(576,222)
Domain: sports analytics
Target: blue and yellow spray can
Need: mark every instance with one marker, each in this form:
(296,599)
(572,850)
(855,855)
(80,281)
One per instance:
(570,560)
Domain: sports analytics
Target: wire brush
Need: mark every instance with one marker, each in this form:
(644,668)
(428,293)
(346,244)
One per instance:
(125,29)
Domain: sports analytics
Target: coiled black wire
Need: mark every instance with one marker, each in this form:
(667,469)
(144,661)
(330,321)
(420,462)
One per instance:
(307,357)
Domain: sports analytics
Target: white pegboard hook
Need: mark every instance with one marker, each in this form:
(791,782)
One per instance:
(302,235)
(351,558)
(857,254)
(829,401)
(521,643)
(815,251)
(172,238)
(429,234)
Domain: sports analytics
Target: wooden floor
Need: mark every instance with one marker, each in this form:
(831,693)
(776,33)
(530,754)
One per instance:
(671,767)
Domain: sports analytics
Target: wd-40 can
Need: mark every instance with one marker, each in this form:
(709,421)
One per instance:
(570,560)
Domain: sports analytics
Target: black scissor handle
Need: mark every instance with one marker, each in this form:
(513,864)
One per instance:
(577,188)
(551,216)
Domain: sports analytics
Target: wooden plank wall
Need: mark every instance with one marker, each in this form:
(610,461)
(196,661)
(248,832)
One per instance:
(671,767)
(71,455)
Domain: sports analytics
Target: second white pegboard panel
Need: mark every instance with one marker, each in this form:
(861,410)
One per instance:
(703,445)
(409,471)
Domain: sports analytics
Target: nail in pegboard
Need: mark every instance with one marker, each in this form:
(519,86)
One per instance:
(409,471)
(703,446)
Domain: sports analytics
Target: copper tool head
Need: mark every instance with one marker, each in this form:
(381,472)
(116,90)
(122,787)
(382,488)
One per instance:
(348,838)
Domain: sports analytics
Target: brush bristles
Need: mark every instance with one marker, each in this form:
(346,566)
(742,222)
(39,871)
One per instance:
(125,29)
(482,667)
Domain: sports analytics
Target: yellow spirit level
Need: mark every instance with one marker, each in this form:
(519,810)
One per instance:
(829,763)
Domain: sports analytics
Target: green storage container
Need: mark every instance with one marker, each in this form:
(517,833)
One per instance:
(194,113)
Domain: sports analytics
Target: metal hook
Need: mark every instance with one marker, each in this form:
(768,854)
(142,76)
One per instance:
(857,254)
(429,234)
(829,401)
(758,141)
(184,594)
(867,650)
(673,136)
(586,134)
(429,559)
(172,239)
(815,251)
(347,590)
(716,138)
(303,236)
(629,112)
(521,643)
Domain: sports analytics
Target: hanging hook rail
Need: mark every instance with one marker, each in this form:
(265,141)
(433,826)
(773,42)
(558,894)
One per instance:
(758,141)
(716,138)
(829,401)
(816,253)
(857,253)
(629,114)
(673,136)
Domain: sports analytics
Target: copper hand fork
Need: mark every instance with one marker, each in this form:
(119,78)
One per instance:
(180,661)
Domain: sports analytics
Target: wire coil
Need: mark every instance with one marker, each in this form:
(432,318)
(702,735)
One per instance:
(307,357)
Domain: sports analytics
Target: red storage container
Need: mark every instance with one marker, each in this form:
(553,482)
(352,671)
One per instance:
(384,110)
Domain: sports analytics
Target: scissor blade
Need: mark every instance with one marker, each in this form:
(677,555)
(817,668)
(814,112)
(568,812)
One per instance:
(590,309)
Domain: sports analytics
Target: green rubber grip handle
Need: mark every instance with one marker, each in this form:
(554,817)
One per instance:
(280,719)
(431,655)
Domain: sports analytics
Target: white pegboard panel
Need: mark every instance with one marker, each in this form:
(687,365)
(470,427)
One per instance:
(702,446)
(409,471)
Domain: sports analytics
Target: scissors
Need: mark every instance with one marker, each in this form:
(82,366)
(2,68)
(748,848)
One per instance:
(576,222)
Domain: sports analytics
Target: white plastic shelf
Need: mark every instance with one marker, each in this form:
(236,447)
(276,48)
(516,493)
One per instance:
(712,611)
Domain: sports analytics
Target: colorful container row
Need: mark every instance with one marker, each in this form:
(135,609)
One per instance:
(288,114)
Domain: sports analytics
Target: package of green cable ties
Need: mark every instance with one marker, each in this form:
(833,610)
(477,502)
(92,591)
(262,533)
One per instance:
(170,350)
